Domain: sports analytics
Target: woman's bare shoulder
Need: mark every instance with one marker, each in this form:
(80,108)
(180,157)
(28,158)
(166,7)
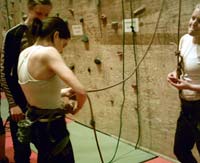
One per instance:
(48,54)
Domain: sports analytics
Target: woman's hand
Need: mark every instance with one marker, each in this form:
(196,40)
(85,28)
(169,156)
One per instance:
(172,77)
(179,83)
(67,92)
(16,113)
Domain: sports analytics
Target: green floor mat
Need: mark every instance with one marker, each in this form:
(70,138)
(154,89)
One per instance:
(85,148)
(86,151)
(4,108)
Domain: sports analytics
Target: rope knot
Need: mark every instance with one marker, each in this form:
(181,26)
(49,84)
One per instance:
(177,53)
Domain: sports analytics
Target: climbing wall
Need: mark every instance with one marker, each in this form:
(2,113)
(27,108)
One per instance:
(102,53)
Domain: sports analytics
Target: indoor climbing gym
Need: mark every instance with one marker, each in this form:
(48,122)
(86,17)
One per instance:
(100,81)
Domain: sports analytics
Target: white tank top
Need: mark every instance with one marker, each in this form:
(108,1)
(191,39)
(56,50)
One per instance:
(44,94)
(191,57)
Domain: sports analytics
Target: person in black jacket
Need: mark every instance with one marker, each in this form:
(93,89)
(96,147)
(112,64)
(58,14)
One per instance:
(17,39)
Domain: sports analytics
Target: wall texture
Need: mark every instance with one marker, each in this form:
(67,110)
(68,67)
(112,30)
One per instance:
(151,111)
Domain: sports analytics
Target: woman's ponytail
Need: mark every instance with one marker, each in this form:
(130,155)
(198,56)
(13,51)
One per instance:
(36,27)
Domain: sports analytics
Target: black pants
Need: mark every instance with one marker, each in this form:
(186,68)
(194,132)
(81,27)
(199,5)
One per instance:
(187,131)
(2,130)
(47,135)
(22,152)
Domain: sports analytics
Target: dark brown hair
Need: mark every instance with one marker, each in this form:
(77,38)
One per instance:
(47,27)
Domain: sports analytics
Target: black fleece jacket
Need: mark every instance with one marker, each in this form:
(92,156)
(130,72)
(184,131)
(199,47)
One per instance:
(9,58)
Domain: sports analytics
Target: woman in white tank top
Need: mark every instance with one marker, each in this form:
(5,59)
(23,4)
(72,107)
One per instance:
(42,73)
(188,124)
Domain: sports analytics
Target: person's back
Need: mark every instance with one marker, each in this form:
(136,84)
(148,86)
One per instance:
(16,39)
(44,93)
(42,72)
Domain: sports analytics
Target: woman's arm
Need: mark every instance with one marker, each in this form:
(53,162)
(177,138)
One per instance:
(184,84)
(181,84)
(56,64)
